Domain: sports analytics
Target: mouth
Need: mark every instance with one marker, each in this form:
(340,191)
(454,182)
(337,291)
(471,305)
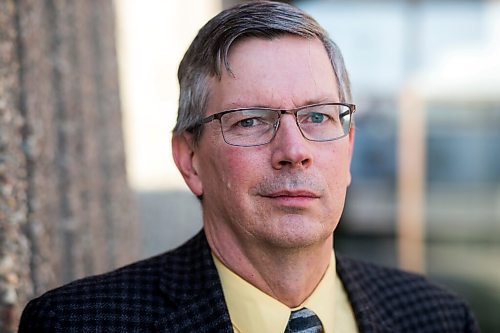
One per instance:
(296,198)
(293,194)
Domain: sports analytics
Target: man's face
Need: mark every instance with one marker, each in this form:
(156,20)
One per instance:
(288,193)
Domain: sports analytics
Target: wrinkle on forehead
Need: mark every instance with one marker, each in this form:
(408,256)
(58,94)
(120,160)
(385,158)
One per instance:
(285,72)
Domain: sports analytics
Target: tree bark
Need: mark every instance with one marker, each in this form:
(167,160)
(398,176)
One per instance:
(65,206)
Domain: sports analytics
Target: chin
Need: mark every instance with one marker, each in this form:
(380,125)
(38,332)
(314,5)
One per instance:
(300,242)
(295,234)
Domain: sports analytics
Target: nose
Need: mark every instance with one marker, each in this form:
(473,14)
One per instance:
(289,148)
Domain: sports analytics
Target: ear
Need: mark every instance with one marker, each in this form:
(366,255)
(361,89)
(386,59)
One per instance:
(352,133)
(185,157)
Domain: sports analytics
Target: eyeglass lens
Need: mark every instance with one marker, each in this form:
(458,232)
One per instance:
(252,127)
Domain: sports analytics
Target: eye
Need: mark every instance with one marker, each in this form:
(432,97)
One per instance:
(312,118)
(316,117)
(249,122)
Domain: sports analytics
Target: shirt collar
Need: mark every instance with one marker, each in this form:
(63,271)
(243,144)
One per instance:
(252,310)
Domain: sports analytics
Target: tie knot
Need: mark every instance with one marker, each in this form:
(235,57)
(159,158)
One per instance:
(304,321)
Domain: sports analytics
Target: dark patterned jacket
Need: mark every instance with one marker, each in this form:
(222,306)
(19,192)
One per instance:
(180,291)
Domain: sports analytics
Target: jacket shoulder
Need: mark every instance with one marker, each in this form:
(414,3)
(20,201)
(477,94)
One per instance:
(126,299)
(126,296)
(404,301)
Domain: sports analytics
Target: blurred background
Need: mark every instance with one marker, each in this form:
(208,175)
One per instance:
(88,99)
(426,171)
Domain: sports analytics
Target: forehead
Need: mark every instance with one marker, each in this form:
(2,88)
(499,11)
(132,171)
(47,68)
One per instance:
(283,72)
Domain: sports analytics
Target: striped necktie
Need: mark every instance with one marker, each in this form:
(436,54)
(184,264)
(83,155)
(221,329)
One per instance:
(304,321)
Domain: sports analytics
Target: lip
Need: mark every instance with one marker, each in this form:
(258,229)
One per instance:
(295,198)
(293,194)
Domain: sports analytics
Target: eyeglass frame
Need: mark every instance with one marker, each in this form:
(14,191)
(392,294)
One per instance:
(294,111)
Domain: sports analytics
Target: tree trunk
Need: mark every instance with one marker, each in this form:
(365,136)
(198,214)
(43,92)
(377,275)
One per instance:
(64,202)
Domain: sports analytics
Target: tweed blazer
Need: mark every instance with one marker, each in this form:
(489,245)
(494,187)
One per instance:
(180,291)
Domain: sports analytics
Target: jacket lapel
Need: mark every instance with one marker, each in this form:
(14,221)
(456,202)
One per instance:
(369,316)
(190,281)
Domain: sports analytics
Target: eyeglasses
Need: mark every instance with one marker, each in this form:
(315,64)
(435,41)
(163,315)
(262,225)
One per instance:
(247,127)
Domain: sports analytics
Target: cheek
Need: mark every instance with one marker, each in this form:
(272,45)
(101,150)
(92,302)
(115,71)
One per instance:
(337,168)
(231,171)
(241,170)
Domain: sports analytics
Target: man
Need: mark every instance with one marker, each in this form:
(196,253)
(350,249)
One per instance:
(264,139)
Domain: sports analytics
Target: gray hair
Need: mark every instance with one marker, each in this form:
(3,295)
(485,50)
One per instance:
(207,56)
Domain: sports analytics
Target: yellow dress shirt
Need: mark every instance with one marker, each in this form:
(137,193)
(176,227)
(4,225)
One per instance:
(253,311)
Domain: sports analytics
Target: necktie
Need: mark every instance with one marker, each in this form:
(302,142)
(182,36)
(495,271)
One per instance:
(303,321)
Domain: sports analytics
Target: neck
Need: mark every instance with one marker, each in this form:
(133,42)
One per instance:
(289,275)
